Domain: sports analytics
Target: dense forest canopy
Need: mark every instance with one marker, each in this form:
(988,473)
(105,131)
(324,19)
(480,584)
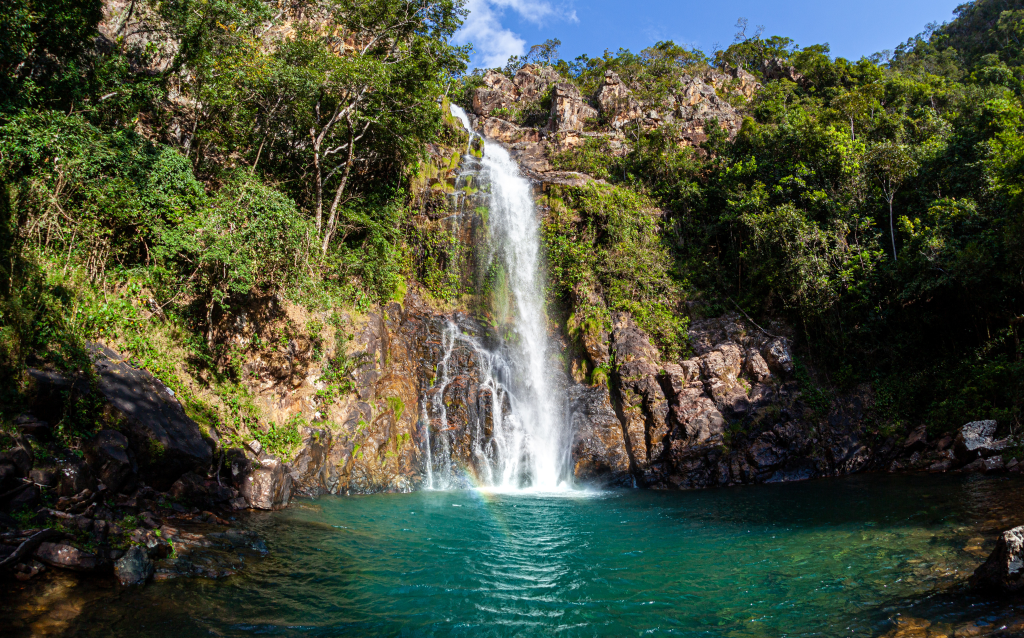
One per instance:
(191,153)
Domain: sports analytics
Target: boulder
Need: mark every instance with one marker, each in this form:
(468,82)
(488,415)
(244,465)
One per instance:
(757,367)
(190,488)
(134,568)
(723,363)
(917,440)
(977,440)
(110,459)
(23,497)
(43,477)
(695,418)
(598,447)
(165,442)
(66,557)
(569,111)
(20,456)
(267,486)
(1004,569)
(776,354)
(74,476)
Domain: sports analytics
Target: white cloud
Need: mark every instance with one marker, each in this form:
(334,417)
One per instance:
(493,44)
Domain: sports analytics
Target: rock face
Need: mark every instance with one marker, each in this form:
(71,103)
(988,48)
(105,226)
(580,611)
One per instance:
(569,111)
(731,414)
(598,448)
(615,101)
(777,69)
(644,405)
(1004,569)
(499,93)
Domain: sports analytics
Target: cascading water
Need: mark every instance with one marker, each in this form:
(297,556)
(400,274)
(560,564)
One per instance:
(526,445)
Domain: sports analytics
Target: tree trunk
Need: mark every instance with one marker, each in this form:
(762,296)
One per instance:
(892,230)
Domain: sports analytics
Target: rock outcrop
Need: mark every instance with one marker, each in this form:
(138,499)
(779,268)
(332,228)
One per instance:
(1004,570)
(615,102)
(598,448)
(569,111)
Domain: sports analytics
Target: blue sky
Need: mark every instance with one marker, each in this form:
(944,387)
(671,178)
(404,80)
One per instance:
(853,28)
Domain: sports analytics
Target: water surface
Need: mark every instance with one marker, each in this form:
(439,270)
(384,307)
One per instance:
(838,557)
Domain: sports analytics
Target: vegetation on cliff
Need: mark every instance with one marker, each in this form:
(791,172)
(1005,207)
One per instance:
(181,159)
(874,204)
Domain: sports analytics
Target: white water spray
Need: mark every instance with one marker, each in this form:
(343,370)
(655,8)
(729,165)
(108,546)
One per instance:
(527,447)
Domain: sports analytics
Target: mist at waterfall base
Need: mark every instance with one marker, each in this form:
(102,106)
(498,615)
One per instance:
(527,446)
(836,557)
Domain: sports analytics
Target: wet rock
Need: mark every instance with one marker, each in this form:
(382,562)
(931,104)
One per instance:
(598,448)
(66,556)
(28,570)
(134,568)
(267,486)
(1004,569)
(764,453)
(110,460)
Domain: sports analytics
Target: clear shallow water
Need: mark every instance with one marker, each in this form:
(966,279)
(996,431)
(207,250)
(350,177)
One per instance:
(826,558)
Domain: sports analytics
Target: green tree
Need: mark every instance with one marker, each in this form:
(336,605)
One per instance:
(891,164)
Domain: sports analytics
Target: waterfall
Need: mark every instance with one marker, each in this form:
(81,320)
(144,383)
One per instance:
(526,446)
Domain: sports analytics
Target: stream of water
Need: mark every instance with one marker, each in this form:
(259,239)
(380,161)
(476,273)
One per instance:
(528,446)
